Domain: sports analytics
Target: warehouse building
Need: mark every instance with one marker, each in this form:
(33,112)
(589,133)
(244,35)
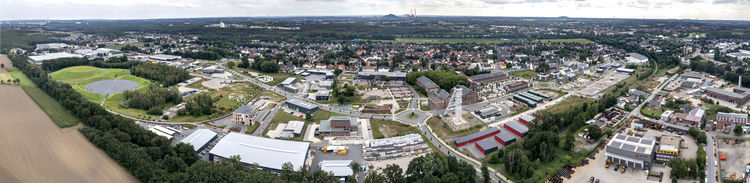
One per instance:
(506,138)
(199,139)
(516,128)
(488,112)
(427,84)
(163,57)
(338,126)
(268,154)
(486,146)
(631,151)
(462,141)
(669,147)
(292,129)
(301,106)
(482,79)
(39,59)
(738,95)
(515,86)
(526,119)
(394,147)
(339,168)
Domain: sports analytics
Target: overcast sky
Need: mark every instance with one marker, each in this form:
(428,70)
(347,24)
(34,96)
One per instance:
(144,9)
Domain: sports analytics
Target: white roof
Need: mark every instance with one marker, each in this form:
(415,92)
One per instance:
(52,56)
(199,138)
(295,126)
(165,130)
(157,132)
(165,57)
(267,153)
(340,168)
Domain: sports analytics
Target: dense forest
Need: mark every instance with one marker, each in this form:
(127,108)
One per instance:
(153,100)
(201,104)
(164,74)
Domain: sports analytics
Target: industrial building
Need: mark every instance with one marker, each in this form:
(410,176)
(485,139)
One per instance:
(339,168)
(531,97)
(486,146)
(338,126)
(540,94)
(244,115)
(526,119)
(163,57)
(516,128)
(669,147)
(488,112)
(515,86)
(635,59)
(626,71)
(292,129)
(631,151)
(51,46)
(733,118)
(438,100)
(199,139)
(393,76)
(39,59)
(394,147)
(288,81)
(462,141)
(506,138)
(268,154)
(322,95)
(479,80)
(529,103)
(468,96)
(427,84)
(301,106)
(738,95)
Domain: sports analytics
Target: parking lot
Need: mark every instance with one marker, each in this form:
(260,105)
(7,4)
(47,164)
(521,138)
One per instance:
(596,169)
(354,153)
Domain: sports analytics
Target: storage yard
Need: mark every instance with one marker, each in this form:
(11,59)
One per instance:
(34,149)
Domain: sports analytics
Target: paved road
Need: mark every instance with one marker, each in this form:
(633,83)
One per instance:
(710,159)
(266,121)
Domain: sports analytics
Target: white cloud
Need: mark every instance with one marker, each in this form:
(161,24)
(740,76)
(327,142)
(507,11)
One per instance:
(126,9)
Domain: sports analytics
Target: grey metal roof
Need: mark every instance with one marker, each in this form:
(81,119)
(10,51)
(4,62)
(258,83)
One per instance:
(288,81)
(633,139)
(442,94)
(301,103)
(244,109)
(488,76)
(340,168)
(487,143)
(621,137)
(506,136)
(628,147)
(646,141)
(615,144)
(731,94)
(488,110)
(518,126)
(527,118)
(475,135)
(637,56)
(322,93)
(199,138)
(426,82)
(267,153)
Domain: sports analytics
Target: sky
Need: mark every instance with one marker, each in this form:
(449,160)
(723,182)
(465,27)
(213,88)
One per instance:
(147,9)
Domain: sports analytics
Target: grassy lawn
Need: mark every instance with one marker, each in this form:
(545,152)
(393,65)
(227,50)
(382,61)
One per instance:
(251,129)
(528,74)
(576,40)
(443,40)
(389,128)
(446,133)
(229,98)
(274,96)
(80,76)
(54,110)
(651,113)
(424,107)
(119,46)
(570,102)
(197,84)
(277,77)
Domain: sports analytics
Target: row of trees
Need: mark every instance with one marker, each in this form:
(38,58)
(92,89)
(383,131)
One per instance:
(153,100)
(445,79)
(692,168)
(432,167)
(260,64)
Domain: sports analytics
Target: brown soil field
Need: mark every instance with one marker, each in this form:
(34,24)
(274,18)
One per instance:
(6,61)
(33,149)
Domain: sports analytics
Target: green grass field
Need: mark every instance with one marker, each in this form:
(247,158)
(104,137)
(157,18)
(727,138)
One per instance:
(54,110)
(119,46)
(528,74)
(443,40)
(229,99)
(80,76)
(577,40)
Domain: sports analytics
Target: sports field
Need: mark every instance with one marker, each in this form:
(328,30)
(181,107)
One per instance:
(81,76)
(33,149)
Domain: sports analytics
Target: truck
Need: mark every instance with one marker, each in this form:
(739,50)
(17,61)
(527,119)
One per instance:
(723,156)
(617,166)
(606,165)
(335,149)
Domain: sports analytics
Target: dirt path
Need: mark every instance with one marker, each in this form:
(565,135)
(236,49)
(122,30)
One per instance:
(33,149)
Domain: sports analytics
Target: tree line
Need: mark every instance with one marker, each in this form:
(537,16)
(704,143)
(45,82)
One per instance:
(201,104)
